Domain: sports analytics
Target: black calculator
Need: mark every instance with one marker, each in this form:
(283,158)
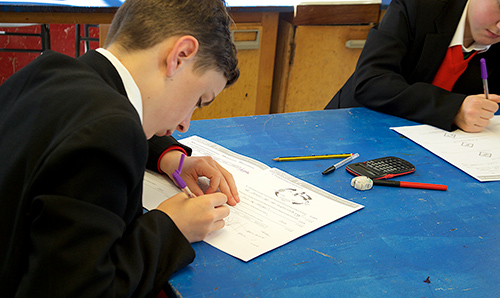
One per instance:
(381,168)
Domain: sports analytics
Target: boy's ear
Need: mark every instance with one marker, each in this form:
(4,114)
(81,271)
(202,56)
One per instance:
(183,51)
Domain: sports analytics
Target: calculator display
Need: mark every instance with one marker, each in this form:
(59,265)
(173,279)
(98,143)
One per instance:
(381,168)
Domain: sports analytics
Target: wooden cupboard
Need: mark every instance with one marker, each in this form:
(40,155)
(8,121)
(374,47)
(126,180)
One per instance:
(317,52)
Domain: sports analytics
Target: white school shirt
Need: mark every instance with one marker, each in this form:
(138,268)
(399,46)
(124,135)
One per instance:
(133,92)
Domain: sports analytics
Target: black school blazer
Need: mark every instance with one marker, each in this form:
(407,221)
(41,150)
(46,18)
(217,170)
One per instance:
(402,55)
(72,156)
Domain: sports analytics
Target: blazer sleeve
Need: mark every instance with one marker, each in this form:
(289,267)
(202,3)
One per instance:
(158,145)
(383,80)
(88,236)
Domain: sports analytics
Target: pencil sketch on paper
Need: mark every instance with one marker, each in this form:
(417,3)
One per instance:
(244,225)
(485,154)
(467,144)
(275,207)
(293,196)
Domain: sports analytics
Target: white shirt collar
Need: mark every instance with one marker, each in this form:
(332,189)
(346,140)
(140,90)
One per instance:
(133,92)
(458,38)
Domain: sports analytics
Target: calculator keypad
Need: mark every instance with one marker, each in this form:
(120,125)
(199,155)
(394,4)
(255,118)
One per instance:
(384,167)
(388,165)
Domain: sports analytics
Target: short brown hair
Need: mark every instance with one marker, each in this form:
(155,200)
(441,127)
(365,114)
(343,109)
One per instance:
(141,24)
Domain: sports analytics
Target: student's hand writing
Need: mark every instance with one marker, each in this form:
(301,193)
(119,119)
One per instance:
(196,217)
(204,166)
(476,111)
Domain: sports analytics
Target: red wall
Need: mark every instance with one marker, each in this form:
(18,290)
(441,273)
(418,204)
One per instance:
(62,39)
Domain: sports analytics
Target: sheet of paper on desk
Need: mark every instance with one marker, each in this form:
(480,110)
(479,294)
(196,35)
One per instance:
(275,207)
(156,189)
(477,154)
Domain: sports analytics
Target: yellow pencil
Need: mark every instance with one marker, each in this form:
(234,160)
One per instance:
(310,157)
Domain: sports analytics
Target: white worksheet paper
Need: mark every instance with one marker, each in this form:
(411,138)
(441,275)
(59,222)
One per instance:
(477,154)
(275,207)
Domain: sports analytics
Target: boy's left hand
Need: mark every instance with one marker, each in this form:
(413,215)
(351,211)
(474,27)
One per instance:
(204,166)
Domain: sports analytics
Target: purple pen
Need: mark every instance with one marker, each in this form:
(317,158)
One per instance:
(484,76)
(179,181)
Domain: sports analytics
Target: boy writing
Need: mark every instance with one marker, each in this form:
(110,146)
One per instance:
(422,63)
(76,136)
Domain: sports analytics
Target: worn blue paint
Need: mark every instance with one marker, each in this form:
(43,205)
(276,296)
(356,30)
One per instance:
(388,249)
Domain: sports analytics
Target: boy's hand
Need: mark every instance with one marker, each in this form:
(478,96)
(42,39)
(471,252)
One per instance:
(196,217)
(204,166)
(476,111)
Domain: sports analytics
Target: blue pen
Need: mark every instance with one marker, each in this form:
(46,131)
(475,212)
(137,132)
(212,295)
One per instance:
(179,181)
(484,76)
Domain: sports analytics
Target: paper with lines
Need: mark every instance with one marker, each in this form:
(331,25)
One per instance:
(275,207)
(477,154)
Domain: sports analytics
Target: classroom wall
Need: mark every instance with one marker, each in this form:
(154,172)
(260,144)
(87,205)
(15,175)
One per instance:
(62,40)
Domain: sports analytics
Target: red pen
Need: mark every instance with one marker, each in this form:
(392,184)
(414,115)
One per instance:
(410,184)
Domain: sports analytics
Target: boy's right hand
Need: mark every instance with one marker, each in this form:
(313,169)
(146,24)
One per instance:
(196,217)
(476,111)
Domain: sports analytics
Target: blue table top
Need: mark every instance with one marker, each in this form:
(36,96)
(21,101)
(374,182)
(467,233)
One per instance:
(404,243)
